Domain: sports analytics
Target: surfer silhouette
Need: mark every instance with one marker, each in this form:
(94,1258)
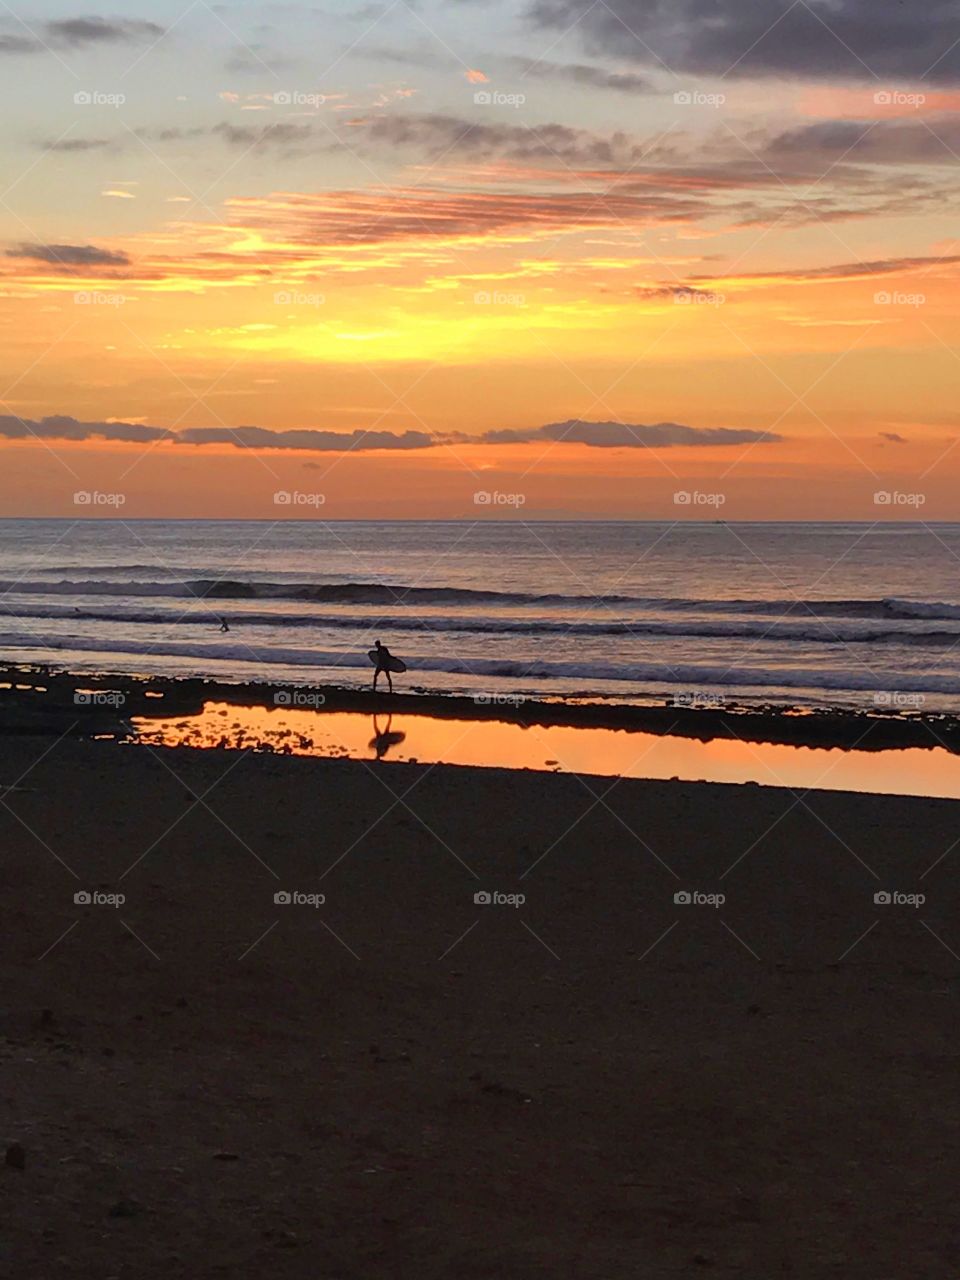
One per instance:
(384,739)
(223,626)
(383,660)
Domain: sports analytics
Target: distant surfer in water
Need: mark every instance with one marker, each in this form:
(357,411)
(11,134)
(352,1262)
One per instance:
(223,626)
(383,660)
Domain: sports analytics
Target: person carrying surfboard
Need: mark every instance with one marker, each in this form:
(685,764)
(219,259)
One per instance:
(383,660)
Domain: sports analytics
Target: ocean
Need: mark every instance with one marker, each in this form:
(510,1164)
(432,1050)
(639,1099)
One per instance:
(852,615)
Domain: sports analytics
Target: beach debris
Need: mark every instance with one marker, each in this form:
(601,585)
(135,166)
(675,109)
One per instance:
(500,1090)
(16,1157)
(125,1209)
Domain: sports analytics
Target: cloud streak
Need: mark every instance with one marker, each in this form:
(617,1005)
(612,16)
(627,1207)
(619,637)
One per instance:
(78,33)
(625,435)
(821,39)
(70,255)
(600,435)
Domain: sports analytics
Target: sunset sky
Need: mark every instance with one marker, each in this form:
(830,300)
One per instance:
(580,258)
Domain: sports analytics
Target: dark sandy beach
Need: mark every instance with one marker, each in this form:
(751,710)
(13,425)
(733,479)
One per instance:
(600,1082)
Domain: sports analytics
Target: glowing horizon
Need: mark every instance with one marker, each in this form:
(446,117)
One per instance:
(444,240)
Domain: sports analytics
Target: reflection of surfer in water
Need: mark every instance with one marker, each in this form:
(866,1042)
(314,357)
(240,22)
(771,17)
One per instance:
(383,741)
(383,660)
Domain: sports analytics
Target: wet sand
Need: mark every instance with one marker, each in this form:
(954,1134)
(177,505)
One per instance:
(599,1082)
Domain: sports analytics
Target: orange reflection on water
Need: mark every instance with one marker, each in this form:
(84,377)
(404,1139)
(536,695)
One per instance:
(610,752)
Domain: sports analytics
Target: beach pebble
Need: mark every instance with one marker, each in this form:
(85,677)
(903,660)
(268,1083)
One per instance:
(16,1157)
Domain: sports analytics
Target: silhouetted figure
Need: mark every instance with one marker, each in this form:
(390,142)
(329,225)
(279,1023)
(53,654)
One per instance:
(223,626)
(384,659)
(383,741)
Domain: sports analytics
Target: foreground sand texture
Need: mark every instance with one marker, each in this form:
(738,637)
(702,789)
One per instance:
(599,1083)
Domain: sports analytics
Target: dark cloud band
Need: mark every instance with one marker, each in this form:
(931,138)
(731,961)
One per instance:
(70,255)
(601,435)
(848,39)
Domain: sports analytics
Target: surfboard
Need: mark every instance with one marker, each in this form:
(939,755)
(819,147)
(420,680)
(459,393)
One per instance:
(396,665)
